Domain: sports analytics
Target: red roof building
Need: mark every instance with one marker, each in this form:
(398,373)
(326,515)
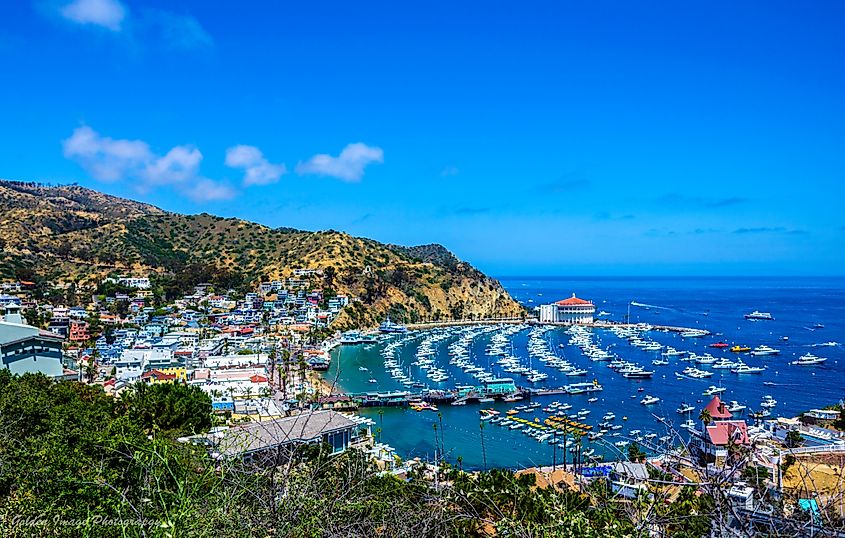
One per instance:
(568,311)
(717,409)
(725,432)
(715,437)
(573,301)
(156,376)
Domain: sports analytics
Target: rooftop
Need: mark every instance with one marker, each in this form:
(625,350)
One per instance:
(303,428)
(574,301)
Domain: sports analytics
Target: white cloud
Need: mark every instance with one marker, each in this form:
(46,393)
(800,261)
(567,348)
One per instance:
(257,170)
(106,13)
(108,159)
(348,166)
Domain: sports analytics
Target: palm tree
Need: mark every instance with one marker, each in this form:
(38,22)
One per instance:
(705,417)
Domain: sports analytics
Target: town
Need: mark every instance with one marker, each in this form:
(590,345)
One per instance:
(258,357)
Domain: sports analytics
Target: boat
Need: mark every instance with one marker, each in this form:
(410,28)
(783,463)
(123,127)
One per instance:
(388,327)
(694,333)
(712,390)
(808,360)
(650,400)
(736,407)
(745,369)
(373,381)
(636,373)
(685,408)
(760,351)
(363,369)
(356,337)
(592,400)
(740,349)
(757,315)
(719,345)
(768,402)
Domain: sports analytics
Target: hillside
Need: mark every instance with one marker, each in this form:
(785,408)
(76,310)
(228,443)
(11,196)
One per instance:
(74,234)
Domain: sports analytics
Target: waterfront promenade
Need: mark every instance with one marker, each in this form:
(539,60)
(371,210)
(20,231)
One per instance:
(535,321)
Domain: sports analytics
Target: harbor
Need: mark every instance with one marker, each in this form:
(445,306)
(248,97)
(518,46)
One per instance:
(626,377)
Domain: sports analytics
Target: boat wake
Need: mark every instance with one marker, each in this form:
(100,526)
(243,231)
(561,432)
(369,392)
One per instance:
(667,308)
(826,344)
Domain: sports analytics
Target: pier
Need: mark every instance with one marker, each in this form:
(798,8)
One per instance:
(601,324)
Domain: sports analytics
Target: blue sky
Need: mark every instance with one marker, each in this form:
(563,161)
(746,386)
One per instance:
(530,138)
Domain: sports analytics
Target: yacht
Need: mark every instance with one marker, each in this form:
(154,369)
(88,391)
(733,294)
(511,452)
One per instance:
(740,349)
(694,333)
(388,327)
(808,360)
(768,402)
(650,400)
(745,369)
(688,425)
(757,315)
(713,390)
(724,364)
(764,350)
(719,345)
(355,337)
(736,407)
(685,408)
(636,373)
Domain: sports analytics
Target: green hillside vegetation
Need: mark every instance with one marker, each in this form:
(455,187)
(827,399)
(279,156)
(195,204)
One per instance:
(73,234)
(72,457)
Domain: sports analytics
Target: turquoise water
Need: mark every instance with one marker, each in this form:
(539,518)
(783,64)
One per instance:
(715,304)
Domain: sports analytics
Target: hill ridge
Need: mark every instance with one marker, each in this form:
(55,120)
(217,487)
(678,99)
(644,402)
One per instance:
(70,233)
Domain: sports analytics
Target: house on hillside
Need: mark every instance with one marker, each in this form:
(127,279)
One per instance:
(27,349)
(720,436)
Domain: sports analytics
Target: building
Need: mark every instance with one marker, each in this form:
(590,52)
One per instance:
(715,438)
(270,440)
(821,417)
(27,349)
(568,311)
(154,377)
(78,331)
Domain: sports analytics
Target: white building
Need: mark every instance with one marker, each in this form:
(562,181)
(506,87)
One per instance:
(140,283)
(571,311)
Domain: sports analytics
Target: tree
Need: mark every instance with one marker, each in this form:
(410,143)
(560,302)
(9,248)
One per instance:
(169,408)
(794,439)
(705,417)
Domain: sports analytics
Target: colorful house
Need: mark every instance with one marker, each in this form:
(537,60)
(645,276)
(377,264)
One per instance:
(720,433)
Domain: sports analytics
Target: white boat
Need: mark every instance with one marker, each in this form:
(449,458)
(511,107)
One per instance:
(760,351)
(650,400)
(736,407)
(685,408)
(757,315)
(745,369)
(694,333)
(768,402)
(373,381)
(712,390)
(808,360)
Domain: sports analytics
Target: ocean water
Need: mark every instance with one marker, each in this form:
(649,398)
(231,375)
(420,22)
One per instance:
(715,304)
